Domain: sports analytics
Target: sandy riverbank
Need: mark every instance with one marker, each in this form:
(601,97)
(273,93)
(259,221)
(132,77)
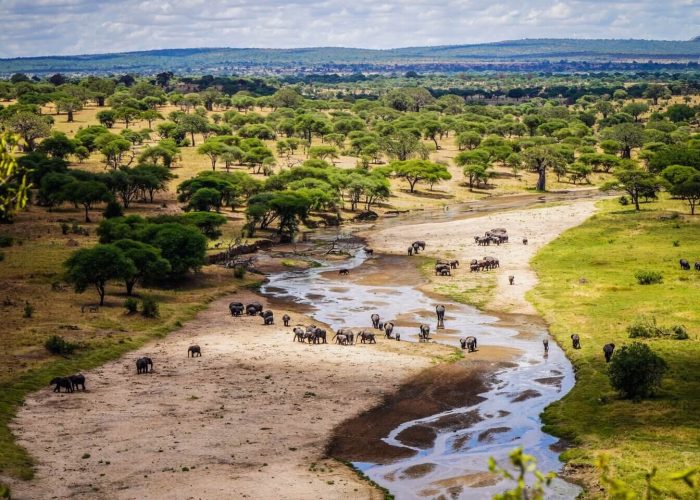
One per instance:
(249,419)
(455,239)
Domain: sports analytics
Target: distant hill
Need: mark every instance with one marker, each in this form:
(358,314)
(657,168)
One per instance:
(513,54)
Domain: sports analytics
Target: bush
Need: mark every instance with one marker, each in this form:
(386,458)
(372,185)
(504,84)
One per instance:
(149,307)
(648,329)
(649,277)
(28,310)
(636,371)
(5,492)
(58,345)
(6,241)
(112,210)
(623,200)
(64,228)
(131,305)
(239,272)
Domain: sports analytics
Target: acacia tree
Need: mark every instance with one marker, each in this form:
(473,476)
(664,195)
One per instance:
(635,181)
(628,135)
(96,266)
(540,159)
(415,171)
(403,145)
(149,266)
(684,183)
(86,193)
(29,127)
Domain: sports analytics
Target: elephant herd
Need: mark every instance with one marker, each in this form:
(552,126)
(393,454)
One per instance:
(71,383)
(685,265)
(496,236)
(416,247)
(256,309)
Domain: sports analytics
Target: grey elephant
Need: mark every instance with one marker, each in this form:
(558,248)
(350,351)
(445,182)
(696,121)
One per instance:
(253,309)
(388,329)
(608,350)
(236,308)
(77,381)
(576,341)
(194,350)
(61,382)
(375,320)
(440,311)
(286,319)
(468,343)
(268,317)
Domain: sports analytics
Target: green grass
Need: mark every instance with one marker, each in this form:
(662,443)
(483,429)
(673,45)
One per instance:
(588,286)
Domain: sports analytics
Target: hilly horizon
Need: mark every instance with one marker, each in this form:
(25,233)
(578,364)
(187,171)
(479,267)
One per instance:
(252,60)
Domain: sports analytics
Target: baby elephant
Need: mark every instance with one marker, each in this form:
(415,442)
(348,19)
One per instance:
(286,319)
(524,241)
(545,343)
(468,343)
(511,280)
(268,317)
(77,381)
(61,382)
(194,350)
(576,341)
(142,365)
(608,350)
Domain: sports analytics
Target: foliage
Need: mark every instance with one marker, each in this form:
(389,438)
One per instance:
(415,171)
(149,307)
(644,327)
(649,277)
(524,465)
(96,266)
(28,310)
(13,182)
(131,305)
(113,209)
(636,371)
(58,345)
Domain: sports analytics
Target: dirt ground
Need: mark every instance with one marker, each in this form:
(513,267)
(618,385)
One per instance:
(455,239)
(249,419)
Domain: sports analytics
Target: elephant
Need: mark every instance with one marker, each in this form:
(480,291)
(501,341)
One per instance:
(143,364)
(524,241)
(511,279)
(298,334)
(286,319)
(441,269)
(410,251)
(343,272)
(576,341)
(388,330)
(340,339)
(375,320)
(194,349)
(697,266)
(685,265)
(368,251)
(380,325)
(236,308)
(268,317)
(366,337)
(418,244)
(608,350)
(320,335)
(253,309)
(346,333)
(545,343)
(440,311)
(61,382)
(398,336)
(77,380)
(468,343)
(454,264)
(424,332)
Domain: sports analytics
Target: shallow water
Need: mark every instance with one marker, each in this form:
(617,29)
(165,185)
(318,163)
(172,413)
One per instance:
(509,414)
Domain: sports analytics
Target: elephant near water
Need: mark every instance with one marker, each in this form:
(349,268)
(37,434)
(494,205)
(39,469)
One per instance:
(236,308)
(388,329)
(468,343)
(440,311)
(424,333)
(576,341)
(268,317)
(366,337)
(194,350)
(545,343)
(375,320)
(253,309)
(608,350)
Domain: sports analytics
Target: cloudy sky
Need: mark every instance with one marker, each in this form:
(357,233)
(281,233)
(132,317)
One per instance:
(48,27)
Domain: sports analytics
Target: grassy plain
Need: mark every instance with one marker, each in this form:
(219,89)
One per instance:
(587,286)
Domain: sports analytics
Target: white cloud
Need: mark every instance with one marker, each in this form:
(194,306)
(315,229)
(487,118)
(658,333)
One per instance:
(42,27)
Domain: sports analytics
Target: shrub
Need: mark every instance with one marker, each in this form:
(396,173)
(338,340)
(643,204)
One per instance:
(239,272)
(58,345)
(636,371)
(5,492)
(647,328)
(28,310)
(623,200)
(649,277)
(6,241)
(131,305)
(64,228)
(149,307)
(112,210)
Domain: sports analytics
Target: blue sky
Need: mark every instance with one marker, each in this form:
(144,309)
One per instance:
(49,27)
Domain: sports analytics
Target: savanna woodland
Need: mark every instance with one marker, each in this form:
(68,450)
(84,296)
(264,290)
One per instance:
(130,202)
